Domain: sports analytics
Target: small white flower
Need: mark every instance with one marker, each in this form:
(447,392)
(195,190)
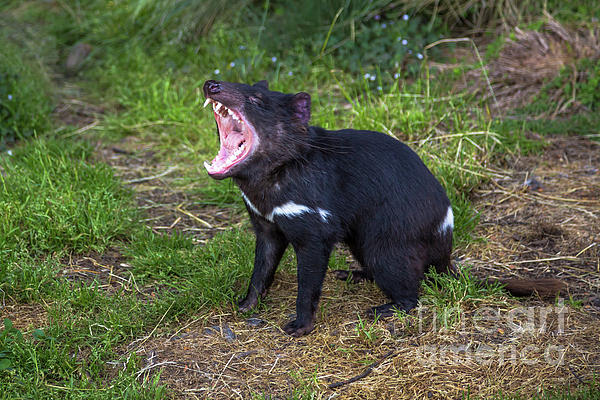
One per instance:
(405,17)
(384,25)
(242,47)
(409,51)
(232,64)
(10,96)
(372,77)
(9,152)
(404,42)
(419,56)
(367,75)
(398,38)
(396,75)
(377,17)
(290,73)
(217,72)
(273,59)
(379,88)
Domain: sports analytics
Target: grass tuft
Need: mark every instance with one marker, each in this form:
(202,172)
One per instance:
(54,199)
(25,103)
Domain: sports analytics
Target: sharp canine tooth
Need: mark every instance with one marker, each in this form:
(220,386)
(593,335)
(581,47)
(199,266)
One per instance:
(206,103)
(207,165)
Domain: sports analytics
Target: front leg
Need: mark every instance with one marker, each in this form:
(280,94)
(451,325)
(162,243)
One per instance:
(312,266)
(270,246)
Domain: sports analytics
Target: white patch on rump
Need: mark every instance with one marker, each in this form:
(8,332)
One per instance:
(448,222)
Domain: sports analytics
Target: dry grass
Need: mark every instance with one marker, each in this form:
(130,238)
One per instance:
(425,361)
(543,218)
(530,59)
(24,316)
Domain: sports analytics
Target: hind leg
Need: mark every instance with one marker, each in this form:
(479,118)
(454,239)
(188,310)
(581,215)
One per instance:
(440,254)
(398,274)
(357,275)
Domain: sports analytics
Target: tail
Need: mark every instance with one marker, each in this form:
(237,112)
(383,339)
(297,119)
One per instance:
(545,288)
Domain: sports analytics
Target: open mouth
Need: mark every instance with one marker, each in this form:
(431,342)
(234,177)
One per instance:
(236,138)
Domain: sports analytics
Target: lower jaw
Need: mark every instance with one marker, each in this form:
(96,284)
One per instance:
(219,175)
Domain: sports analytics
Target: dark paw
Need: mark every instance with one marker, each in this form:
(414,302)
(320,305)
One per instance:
(353,276)
(389,309)
(296,329)
(247,303)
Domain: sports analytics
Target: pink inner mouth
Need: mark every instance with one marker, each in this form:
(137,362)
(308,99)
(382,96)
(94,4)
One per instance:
(235,136)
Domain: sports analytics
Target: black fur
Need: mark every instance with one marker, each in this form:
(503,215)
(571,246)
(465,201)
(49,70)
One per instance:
(362,188)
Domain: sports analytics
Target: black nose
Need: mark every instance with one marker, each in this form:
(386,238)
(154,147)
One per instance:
(211,87)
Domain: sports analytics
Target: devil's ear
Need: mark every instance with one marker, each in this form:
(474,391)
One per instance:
(262,84)
(301,107)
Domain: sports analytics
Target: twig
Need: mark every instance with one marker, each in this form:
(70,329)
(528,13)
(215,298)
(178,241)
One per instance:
(221,374)
(584,250)
(189,214)
(149,367)
(149,178)
(156,327)
(580,379)
(363,374)
(567,258)
(483,70)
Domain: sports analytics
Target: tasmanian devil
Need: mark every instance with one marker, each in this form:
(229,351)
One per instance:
(312,188)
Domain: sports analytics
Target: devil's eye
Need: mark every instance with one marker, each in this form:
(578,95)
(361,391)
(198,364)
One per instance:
(255,100)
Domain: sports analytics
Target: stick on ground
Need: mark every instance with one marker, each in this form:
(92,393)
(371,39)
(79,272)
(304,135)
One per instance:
(363,374)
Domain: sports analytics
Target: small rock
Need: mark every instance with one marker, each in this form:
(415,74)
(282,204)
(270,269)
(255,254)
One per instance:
(178,337)
(533,184)
(77,56)
(225,330)
(255,322)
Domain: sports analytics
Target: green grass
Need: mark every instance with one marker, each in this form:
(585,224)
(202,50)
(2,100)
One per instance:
(25,102)
(54,199)
(204,276)
(449,296)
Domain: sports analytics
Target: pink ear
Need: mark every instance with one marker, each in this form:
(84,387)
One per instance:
(263,84)
(301,105)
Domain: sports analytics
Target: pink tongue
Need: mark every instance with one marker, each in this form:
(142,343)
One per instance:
(233,140)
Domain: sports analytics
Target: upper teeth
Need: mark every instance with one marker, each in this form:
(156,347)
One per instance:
(217,108)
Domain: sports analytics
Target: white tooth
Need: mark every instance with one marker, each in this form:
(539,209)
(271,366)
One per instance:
(229,112)
(207,165)
(206,103)
(219,105)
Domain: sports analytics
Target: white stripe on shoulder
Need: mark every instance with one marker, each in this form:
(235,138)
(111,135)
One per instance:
(289,209)
(250,205)
(448,222)
(324,214)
